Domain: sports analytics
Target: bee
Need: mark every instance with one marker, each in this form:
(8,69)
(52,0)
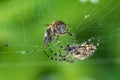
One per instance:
(76,51)
(54,30)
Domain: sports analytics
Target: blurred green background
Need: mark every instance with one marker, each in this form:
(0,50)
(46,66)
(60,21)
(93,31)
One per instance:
(22,35)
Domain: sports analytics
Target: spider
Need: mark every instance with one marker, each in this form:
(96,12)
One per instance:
(76,51)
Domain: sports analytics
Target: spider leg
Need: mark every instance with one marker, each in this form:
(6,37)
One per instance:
(60,54)
(55,54)
(57,59)
(62,57)
(67,60)
(64,48)
(61,46)
(52,58)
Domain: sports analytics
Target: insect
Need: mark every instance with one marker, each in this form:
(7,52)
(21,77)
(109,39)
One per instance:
(76,51)
(55,29)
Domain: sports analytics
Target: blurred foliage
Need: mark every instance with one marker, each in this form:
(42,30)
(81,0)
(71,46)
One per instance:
(22,33)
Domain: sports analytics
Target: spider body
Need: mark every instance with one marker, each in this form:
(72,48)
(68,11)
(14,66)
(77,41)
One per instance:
(55,29)
(81,51)
(76,51)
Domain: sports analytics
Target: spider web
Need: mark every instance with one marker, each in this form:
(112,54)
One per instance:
(27,35)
